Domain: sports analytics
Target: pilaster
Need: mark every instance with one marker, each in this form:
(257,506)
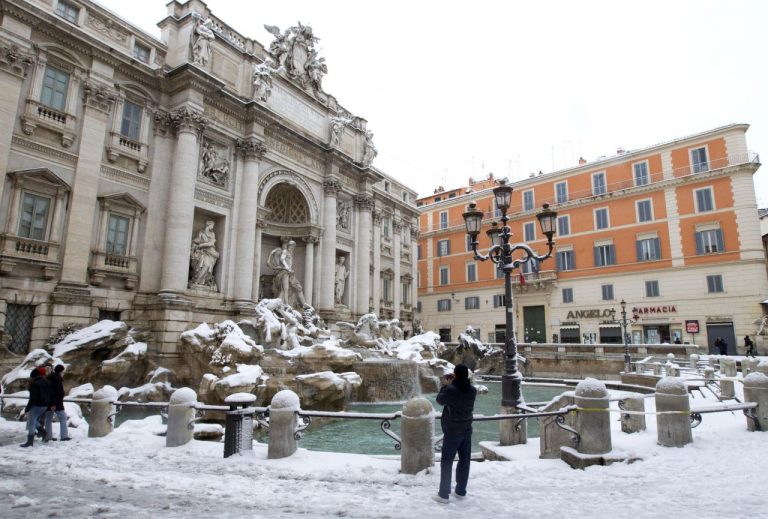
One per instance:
(331,188)
(363,208)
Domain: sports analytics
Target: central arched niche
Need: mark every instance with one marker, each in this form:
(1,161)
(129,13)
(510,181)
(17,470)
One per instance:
(287,205)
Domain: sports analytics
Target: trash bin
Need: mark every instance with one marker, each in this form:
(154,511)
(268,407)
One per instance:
(238,432)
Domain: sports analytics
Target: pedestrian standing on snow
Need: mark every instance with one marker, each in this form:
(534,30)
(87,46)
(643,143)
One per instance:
(57,386)
(457,396)
(721,346)
(40,401)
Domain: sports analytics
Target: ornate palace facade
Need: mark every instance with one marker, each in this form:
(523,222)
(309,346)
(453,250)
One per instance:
(149,181)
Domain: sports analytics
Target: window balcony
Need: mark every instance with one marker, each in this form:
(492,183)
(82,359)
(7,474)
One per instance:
(37,114)
(120,145)
(105,265)
(544,279)
(15,250)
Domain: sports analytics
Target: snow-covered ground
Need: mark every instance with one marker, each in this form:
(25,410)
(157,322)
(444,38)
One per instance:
(131,473)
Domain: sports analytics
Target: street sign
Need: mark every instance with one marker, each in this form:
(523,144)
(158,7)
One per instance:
(692,326)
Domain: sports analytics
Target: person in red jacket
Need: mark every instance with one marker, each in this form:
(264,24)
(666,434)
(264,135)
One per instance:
(40,401)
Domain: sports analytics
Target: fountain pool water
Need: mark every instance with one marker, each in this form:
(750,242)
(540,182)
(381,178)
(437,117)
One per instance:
(366,437)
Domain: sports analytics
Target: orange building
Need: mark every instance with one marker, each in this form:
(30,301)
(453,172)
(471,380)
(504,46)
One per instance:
(672,229)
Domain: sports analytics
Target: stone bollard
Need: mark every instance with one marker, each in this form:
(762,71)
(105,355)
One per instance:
(593,425)
(762,367)
(756,390)
(417,435)
(181,413)
(282,424)
(728,367)
(709,375)
(727,390)
(693,360)
(656,368)
(673,430)
(712,361)
(672,369)
(749,365)
(631,423)
(101,423)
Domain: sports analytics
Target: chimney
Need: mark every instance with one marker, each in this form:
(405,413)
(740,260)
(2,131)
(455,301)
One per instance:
(582,161)
(471,181)
(620,151)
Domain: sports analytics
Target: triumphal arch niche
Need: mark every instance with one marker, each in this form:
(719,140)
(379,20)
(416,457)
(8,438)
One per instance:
(229,175)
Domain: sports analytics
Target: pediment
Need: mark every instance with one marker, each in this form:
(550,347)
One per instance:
(40,175)
(123,199)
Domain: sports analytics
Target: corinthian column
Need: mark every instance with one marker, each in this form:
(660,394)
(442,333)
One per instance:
(331,186)
(363,208)
(309,266)
(414,267)
(188,124)
(397,229)
(245,229)
(376,296)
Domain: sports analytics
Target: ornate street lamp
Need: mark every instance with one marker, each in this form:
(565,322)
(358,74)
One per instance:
(500,253)
(624,322)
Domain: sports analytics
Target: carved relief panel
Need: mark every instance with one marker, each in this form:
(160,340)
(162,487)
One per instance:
(215,160)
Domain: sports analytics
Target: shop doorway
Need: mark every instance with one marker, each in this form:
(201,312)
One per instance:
(656,334)
(501,333)
(724,330)
(534,324)
(445,334)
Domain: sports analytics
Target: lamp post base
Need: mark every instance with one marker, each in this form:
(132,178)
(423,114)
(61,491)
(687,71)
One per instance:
(512,432)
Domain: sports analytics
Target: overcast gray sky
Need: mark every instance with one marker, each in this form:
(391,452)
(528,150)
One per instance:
(459,89)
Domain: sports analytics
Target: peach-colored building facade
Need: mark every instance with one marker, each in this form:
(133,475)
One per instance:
(673,229)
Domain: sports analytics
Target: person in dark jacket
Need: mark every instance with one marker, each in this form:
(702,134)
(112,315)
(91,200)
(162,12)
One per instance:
(40,401)
(457,396)
(721,345)
(57,386)
(749,347)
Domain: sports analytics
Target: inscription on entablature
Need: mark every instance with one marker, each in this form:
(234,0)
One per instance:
(276,144)
(298,111)
(222,117)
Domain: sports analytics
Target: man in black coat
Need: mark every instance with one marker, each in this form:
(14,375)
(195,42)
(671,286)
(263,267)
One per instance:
(457,396)
(40,401)
(57,386)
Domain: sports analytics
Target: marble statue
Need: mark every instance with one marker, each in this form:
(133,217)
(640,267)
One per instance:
(294,50)
(370,151)
(214,168)
(202,37)
(342,216)
(337,129)
(285,284)
(340,279)
(262,80)
(203,257)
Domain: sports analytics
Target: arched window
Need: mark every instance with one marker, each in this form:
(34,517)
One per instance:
(287,205)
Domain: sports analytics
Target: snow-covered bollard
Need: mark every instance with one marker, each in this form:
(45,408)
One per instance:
(417,436)
(593,422)
(282,424)
(712,361)
(728,367)
(673,429)
(656,368)
(102,409)
(727,390)
(693,360)
(762,367)
(181,413)
(709,375)
(238,430)
(632,423)
(672,369)
(749,365)
(756,390)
